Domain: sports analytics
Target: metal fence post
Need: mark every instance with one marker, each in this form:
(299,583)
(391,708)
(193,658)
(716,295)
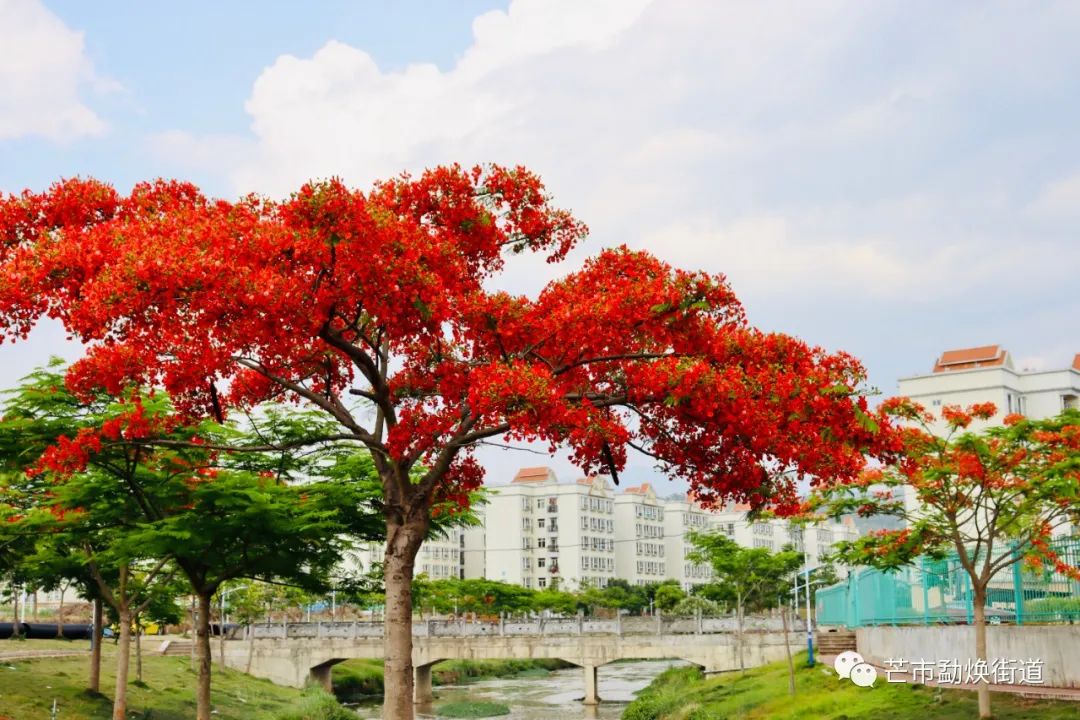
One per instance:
(1018,593)
(969,601)
(925,591)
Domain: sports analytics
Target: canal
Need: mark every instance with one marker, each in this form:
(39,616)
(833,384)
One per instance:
(554,696)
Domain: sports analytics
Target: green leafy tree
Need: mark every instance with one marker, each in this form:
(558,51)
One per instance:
(668,597)
(141,494)
(745,579)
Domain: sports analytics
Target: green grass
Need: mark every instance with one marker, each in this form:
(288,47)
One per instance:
(683,694)
(358,679)
(455,672)
(28,687)
(472,710)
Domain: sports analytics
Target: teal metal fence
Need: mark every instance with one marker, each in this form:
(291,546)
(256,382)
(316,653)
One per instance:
(939,591)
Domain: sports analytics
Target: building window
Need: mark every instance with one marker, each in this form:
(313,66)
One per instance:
(541,562)
(1069,402)
(542,582)
(542,542)
(540,523)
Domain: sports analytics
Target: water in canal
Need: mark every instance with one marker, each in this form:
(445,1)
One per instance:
(556,696)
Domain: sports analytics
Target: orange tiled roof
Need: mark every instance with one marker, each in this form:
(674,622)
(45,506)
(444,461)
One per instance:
(968,358)
(641,489)
(533,474)
(586,480)
(1076,362)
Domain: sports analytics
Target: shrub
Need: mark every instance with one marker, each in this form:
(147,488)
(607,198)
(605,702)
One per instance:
(1053,607)
(356,679)
(316,704)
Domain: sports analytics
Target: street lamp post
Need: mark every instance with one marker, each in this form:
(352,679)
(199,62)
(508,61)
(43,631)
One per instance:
(809,624)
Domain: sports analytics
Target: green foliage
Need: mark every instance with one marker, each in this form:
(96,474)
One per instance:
(761,694)
(454,672)
(356,679)
(1052,607)
(669,596)
(473,709)
(316,704)
(696,604)
(745,579)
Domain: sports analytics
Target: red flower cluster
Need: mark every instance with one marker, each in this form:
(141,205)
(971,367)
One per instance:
(386,294)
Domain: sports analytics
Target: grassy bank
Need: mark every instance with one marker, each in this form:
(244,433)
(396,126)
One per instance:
(355,679)
(28,688)
(683,694)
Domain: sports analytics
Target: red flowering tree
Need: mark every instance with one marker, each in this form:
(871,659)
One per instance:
(375,308)
(994,498)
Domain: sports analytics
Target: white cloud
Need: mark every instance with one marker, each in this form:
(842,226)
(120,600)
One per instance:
(839,147)
(1060,200)
(43,66)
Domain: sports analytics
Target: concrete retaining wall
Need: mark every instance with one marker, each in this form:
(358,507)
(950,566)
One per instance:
(1058,646)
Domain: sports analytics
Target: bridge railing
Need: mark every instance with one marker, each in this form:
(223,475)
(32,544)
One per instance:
(635,625)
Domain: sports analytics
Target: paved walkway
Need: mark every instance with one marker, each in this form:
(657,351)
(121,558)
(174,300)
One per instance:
(1044,692)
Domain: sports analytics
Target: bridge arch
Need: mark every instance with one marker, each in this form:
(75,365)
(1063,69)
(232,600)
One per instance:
(298,654)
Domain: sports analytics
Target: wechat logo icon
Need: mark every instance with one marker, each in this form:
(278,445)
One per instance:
(850,665)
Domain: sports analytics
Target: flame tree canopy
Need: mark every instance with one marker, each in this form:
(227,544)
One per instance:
(381,294)
(374,306)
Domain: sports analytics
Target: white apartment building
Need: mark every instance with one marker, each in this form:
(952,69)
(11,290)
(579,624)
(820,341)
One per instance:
(683,516)
(814,541)
(540,533)
(439,557)
(987,374)
(640,548)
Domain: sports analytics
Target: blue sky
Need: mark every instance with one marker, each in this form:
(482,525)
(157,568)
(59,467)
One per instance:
(889,178)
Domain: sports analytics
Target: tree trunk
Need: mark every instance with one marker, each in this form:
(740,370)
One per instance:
(191,633)
(202,635)
(251,648)
(123,656)
(221,638)
(34,612)
(16,631)
(787,652)
(138,649)
(739,632)
(979,610)
(95,651)
(403,542)
(60,617)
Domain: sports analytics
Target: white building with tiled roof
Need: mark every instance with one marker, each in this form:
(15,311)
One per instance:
(988,374)
(539,532)
(640,548)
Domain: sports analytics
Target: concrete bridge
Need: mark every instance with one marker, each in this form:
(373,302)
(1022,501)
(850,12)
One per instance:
(296,654)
